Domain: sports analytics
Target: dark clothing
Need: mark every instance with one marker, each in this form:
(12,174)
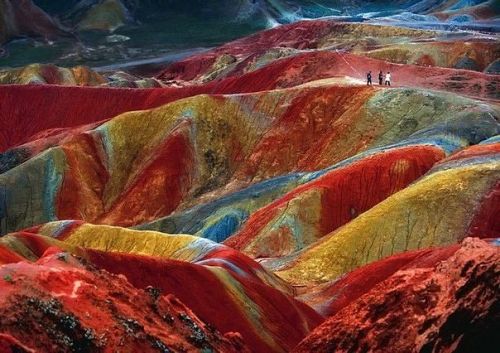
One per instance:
(369,79)
(380,79)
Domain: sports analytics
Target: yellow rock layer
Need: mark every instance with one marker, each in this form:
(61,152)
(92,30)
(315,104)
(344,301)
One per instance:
(222,127)
(116,239)
(435,211)
(285,234)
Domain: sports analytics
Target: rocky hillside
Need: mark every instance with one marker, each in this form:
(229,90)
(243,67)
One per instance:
(258,196)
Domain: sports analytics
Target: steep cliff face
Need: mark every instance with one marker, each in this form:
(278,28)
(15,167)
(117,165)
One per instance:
(449,307)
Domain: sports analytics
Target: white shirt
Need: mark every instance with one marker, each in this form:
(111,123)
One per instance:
(388,77)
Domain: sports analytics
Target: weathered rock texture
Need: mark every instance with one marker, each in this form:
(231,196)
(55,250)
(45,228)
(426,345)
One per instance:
(58,305)
(452,306)
(223,287)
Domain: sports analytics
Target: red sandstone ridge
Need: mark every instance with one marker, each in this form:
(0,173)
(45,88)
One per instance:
(300,35)
(450,307)
(293,54)
(282,325)
(225,289)
(316,65)
(30,112)
(58,305)
(344,193)
(51,110)
(333,297)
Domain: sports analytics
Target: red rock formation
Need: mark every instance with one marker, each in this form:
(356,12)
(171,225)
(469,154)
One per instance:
(487,220)
(9,344)
(7,256)
(225,289)
(345,193)
(163,182)
(256,58)
(58,305)
(27,111)
(333,297)
(300,35)
(451,306)
(161,185)
(315,65)
(283,321)
(481,150)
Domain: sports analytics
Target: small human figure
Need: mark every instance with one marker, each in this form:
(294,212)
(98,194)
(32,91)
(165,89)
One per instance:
(369,78)
(388,78)
(380,78)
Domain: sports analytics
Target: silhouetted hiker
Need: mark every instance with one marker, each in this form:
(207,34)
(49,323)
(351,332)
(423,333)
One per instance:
(369,78)
(380,78)
(388,79)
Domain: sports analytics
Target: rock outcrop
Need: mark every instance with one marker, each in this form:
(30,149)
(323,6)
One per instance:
(59,305)
(452,306)
(223,287)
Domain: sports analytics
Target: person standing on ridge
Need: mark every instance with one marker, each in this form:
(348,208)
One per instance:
(369,78)
(380,78)
(388,78)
